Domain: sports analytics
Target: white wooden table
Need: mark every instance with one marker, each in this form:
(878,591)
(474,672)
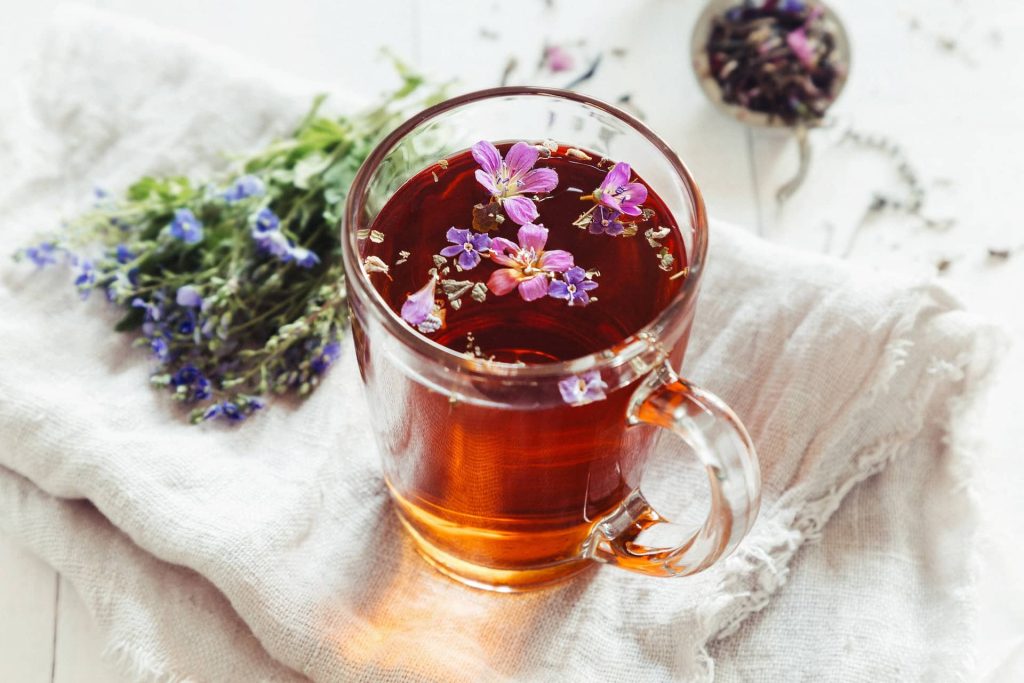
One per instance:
(941,77)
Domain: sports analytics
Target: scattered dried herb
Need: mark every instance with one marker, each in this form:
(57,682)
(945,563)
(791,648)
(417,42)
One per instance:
(776,58)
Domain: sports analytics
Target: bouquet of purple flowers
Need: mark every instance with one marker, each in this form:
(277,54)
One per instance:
(235,286)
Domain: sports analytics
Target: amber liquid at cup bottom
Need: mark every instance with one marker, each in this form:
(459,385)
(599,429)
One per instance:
(506,497)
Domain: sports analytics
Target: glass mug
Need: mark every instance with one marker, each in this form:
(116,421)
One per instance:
(501,484)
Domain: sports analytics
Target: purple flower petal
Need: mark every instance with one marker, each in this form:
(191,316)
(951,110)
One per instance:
(487,155)
(539,181)
(533,288)
(521,158)
(555,261)
(587,285)
(469,260)
(558,290)
(457,236)
(420,305)
(188,296)
(453,250)
(616,178)
(503,281)
(500,245)
(575,275)
(632,195)
(520,209)
(487,181)
(481,243)
(533,237)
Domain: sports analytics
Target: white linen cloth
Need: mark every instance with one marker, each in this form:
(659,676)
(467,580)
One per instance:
(269,551)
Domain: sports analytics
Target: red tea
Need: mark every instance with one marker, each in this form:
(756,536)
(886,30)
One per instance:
(511,488)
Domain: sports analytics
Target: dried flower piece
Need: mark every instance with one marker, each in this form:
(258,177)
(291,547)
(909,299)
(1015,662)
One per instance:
(487,217)
(665,259)
(373,264)
(655,235)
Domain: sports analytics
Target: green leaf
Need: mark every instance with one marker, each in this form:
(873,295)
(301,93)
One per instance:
(131,321)
(309,167)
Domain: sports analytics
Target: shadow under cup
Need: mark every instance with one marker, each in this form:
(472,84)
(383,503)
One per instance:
(501,484)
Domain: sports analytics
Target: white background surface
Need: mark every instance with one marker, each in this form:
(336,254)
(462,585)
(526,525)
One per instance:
(955,112)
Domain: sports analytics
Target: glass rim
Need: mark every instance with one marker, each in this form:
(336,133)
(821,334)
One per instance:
(624,352)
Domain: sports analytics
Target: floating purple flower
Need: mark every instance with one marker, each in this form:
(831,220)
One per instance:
(509,179)
(420,310)
(245,187)
(186,227)
(582,389)
(467,246)
(618,194)
(573,287)
(606,221)
(528,266)
(189,297)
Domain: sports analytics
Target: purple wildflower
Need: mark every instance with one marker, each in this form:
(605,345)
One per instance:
(245,187)
(160,349)
(528,266)
(467,246)
(266,220)
(196,385)
(187,323)
(186,227)
(509,179)
(420,311)
(605,220)
(573,287)
(86,278)
(123,254)
(618,194)
(153,309)
(326,358)
(557,59)
(43,254)
(226,409)
(189,297)
(269,238)
(304,258)
(579,390)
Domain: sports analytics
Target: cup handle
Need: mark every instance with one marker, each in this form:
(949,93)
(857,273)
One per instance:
(710,428)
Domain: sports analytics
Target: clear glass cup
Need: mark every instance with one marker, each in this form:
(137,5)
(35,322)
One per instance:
(557,487)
